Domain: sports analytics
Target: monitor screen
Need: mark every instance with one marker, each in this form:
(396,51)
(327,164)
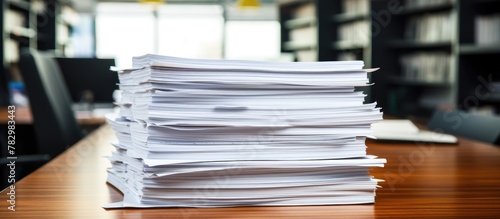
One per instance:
(89,76)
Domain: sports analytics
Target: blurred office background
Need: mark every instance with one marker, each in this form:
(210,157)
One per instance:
(431,53)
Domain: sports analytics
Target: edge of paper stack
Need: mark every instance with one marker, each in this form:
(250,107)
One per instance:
(216,133)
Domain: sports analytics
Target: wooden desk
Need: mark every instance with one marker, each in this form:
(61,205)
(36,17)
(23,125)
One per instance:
(24,117)
(422,181)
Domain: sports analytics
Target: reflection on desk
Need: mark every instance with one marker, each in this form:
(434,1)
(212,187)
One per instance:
(422,180)
(24,116)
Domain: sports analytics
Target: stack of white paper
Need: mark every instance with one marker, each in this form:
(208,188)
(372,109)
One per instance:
(212,133)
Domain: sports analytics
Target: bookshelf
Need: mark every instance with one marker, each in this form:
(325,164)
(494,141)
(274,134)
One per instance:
(417,53)
(351,24)
(479,52)
(464,34)
(18,31)
(306,29)
(431,53)
(326,30)
(36,24)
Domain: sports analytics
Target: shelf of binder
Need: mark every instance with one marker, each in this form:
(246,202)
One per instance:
(349,17)
(414,44)
(473,49)
(348,45)
(298,46)
(23,36)
(424,9)
(354,33)
(487,31)
(300,22)
(395,80)
(293,2)
(21,6)
(22,32)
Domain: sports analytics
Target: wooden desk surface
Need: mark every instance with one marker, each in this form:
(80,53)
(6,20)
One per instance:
(24,117)
(421,181)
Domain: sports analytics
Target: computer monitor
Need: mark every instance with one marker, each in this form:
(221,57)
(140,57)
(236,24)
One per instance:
(84,75)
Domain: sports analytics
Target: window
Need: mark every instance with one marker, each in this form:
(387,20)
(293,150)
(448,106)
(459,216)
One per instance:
(191,31)
(257,40)
(124,30)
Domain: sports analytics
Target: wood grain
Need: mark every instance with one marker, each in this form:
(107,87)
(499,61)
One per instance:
(422,180)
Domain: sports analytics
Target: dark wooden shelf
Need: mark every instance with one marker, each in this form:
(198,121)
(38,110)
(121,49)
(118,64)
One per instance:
(408,82)
(19,6)
(20,40)
(341,45)
(345,18)
(296,46)
(407,44)
(300,22)
(426,9)
(479,49)
(23,32)
(292,2)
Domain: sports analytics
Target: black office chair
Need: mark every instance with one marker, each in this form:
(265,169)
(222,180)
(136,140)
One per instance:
(54,124)
(456,122)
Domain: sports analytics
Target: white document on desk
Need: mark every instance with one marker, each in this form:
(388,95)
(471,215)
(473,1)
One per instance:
(405,130)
